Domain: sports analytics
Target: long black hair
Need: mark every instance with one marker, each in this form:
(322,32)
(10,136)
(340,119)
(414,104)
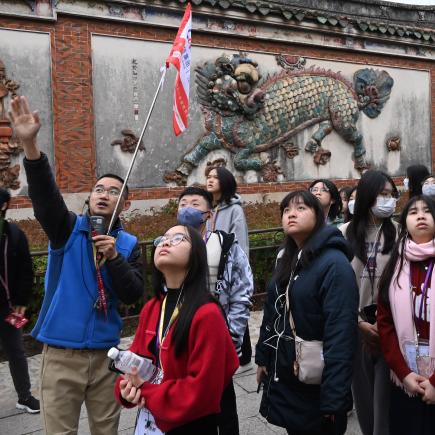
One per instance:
(397,253)
(291,250)
(371,184)
(195,288)
(337,205)
(416,174)
(227,183)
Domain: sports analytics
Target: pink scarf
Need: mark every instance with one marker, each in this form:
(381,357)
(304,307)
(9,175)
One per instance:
(400,296)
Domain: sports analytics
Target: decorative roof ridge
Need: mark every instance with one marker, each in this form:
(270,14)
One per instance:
(391,12)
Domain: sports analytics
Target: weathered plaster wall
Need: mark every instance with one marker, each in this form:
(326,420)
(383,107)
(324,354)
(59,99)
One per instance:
(126,72)
(75,122)
(27,58)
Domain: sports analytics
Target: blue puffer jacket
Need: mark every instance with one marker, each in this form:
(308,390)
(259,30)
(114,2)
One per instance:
(324,301)
(68,316)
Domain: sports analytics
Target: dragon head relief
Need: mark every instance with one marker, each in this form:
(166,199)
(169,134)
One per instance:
(230,86)
(373,89)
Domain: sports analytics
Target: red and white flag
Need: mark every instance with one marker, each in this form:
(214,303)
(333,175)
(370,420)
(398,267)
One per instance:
(180,58)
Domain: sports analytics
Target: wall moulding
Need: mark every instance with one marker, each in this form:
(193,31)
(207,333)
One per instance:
(302,25)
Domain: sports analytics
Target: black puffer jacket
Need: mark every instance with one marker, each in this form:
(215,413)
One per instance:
(324,301)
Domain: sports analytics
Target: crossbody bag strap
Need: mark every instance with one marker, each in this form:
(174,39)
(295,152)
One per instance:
(287,299)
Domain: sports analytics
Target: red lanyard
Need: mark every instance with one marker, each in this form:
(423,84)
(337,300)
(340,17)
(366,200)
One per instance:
(101,302)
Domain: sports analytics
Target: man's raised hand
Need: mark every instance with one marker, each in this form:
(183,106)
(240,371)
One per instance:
(26,125)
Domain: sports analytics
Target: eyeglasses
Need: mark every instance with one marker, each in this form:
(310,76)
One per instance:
(319,190)
(174,240)
(112,191)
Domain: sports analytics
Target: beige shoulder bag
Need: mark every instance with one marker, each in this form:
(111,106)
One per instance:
(309,362)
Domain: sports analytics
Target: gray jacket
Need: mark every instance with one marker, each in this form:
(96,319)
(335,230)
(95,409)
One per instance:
(234,292)
(231,219)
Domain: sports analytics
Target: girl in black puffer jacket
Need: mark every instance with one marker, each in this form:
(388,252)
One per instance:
(323,298)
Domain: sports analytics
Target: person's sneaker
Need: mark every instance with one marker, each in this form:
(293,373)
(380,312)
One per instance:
(30,405)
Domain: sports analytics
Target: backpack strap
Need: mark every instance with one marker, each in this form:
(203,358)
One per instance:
(226,241)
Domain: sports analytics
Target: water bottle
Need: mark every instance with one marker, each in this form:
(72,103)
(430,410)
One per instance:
(125,361)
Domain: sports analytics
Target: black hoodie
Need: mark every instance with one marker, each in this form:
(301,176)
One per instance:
(324,304)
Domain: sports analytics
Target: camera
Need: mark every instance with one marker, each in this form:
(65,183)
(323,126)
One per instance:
(16,320)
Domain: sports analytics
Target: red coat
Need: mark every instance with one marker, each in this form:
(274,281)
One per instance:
(193,383)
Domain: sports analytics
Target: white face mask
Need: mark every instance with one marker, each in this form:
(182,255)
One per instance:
(406,184)
(428,189)
(351,206)
(384,207)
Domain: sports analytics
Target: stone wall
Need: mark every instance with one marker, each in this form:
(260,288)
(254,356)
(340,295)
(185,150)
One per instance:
(78,77)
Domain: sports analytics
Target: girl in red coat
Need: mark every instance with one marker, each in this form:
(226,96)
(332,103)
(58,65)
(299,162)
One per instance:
(406,321)
(183,331)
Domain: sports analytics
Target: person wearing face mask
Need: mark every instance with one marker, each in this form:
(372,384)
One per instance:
(428,186)
(350,205)
(372,234)
(345,216)
(231,281)
(415,174)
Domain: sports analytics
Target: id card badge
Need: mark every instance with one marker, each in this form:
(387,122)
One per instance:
(411,355)
(145,424)
(418,358)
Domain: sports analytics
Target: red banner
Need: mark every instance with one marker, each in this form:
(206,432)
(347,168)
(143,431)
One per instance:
(180,58)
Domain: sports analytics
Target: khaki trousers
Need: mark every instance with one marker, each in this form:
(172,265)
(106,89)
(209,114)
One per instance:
(70,377)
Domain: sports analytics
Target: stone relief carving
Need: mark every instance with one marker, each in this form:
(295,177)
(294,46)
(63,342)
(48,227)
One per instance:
(393,143)
(129,142)
(248,115)
(9,146)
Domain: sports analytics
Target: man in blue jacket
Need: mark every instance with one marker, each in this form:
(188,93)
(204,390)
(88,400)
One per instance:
(87,275)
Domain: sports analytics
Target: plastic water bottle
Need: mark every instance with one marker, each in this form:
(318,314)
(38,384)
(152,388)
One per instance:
(125,361)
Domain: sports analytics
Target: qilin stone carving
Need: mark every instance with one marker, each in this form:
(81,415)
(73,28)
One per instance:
(9,146)
(248,115)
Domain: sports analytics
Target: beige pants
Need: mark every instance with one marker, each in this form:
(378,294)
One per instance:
(69,378)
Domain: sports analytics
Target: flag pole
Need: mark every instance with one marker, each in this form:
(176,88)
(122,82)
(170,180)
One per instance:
(159,87)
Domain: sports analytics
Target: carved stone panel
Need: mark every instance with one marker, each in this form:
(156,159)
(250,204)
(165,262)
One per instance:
(271,118)
(26,60)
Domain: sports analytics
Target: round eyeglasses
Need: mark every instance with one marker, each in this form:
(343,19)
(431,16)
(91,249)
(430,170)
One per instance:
(173,240)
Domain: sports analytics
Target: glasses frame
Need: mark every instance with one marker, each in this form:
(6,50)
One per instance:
(319,189)
(109,191)
(159,241)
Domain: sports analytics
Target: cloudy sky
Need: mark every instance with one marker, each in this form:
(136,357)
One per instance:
(415,2)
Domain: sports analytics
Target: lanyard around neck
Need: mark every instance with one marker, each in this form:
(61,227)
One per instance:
(162,334)
(424,289)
